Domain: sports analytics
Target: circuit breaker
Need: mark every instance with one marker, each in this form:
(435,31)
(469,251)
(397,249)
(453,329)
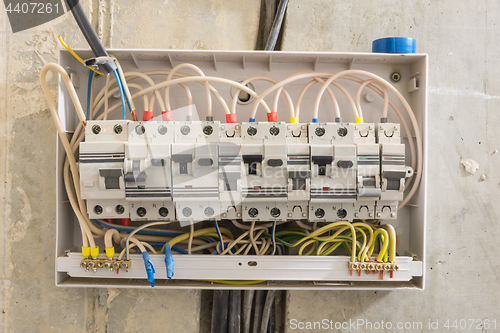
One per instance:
(195,171)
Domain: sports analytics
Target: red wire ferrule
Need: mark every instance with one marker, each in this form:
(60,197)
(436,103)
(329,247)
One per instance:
(166,115)
(125,222)
(231,118)
(147,115)
(272,117)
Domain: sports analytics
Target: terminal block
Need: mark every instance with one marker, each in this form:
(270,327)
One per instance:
(94,264)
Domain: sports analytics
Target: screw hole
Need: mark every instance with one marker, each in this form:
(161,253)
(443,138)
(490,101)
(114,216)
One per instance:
(119,209)
(252,263)
(140,130)
(98,210)
(141,211)
(118,129)
(342,131)
(96,129)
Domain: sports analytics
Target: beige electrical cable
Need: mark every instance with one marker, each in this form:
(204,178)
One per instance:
(197,70)
(111,234)
(282,83)
(62,135)
(398,112)
(358,97)
(247,227)
(143,227)
(125,85)
(194,79)
(189,99)
(151,82)
(241,237)
(106,98)
(91,109)
(407,106)
(303,92)
(191,234)
(276,97)
(164,73)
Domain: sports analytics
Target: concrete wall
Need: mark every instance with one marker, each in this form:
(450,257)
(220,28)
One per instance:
(461,38)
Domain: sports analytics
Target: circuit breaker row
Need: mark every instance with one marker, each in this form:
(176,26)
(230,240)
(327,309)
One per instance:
(262,171)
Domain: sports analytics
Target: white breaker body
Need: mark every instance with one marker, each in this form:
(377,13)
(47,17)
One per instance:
(261,171)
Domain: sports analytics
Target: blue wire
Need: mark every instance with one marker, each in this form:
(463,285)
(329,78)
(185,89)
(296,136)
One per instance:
(126,97)
(282,248)
(220,236)
(273,236)
(122,93)
(91,75)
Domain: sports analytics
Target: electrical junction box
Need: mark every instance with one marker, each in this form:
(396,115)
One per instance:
(159,170)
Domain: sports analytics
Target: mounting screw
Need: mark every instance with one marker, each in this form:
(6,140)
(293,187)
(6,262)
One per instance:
(118,129)
(274,131)
(163,211)
(141,211)
(320,131)
(341,213)
(98,210)
(124,265)
(120,209)
(208,130)
(209,211)
(395,77)
(342,131)
(252,131)
(96,129)
(275,212)
(187,212)
(320,212)
(140,130)
(162,129)
(185,130)
(253,212)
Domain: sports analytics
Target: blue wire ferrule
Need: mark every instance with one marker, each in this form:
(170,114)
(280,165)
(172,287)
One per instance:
(169,261)
(315,120)
(150,270)
(252,120)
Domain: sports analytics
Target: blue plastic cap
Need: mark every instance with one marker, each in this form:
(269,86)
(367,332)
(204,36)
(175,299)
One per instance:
(394,45)
(315,120)
(252,120)
(169,262)
(150,270)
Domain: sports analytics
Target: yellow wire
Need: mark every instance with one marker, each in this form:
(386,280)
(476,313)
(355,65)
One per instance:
(76,55)
(235,282)
(385,239)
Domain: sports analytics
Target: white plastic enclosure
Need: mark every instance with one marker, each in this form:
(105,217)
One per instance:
(280,272)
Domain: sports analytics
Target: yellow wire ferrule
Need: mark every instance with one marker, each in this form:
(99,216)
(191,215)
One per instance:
(110,252)
(294,120)
(94,253)
(86,252)
(358,120)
